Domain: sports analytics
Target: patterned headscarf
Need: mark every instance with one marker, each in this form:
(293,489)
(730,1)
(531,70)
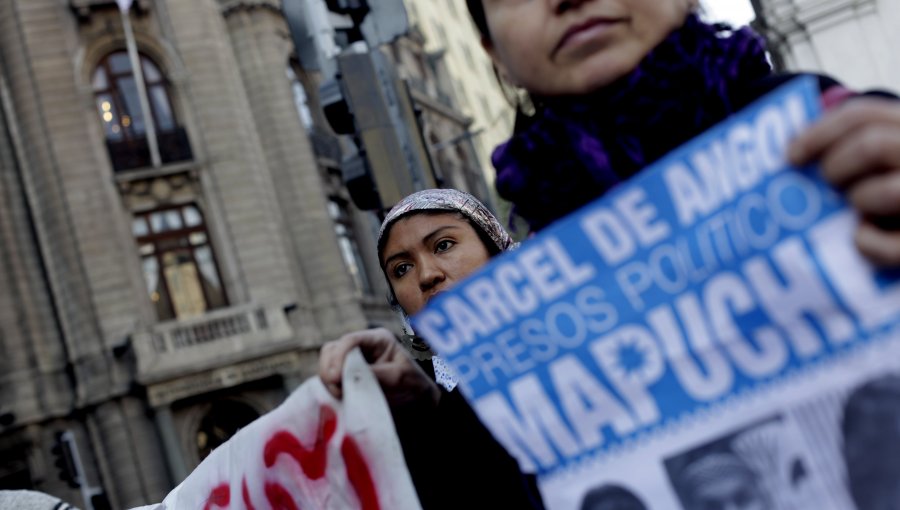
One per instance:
(449,200)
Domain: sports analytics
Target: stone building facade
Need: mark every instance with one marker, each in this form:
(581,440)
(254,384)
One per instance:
(151,310)
(852,40)
(452,36)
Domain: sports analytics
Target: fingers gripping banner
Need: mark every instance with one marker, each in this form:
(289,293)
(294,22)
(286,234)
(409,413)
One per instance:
(312,452)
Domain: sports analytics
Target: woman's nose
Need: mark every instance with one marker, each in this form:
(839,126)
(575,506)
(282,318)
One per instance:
(561,6)
(430,274)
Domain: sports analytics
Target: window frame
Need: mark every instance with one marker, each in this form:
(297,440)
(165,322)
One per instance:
(111,89)
(158,241)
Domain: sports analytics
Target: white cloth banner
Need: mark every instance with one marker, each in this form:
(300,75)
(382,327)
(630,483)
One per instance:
(313,451)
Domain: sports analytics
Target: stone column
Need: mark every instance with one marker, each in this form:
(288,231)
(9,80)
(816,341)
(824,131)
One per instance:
(165,425)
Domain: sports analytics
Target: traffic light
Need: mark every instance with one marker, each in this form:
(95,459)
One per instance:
(100,502)
(7,418)
(373,103)
(64,459)
(352,8)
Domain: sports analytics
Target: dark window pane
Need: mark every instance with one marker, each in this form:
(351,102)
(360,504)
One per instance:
(151,72)
(99,82)
(158,222)
(173,220)
(225,419)
(139,227)
(211,283)
(151,276)
(159,101)
(119,63)
(158,294)
(129,94)
(110,117)
(172,243)
(192,216)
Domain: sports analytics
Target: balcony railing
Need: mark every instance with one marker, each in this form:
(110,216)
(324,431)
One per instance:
(174,147)
(218,337)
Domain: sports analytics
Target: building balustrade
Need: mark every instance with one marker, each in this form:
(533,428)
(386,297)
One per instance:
(216,338)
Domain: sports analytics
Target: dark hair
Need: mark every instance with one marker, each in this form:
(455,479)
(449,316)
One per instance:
(870,426)
(597,496)
(476,10)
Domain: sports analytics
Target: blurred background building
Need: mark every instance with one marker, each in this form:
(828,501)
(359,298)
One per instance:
(156,297)
(450,35)
(852,40)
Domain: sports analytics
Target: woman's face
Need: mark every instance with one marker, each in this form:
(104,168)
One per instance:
(428,253)
(565,47)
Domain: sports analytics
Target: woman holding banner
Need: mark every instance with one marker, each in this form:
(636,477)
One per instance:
(617,84)
(429,241)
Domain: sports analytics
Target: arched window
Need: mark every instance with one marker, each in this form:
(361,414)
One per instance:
(119,106)
(117,97)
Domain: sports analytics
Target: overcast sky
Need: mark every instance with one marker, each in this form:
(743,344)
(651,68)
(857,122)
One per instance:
(737,12)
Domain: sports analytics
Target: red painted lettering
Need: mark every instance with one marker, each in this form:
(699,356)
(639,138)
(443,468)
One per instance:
(359,475)
(279,497)
(245,494)
(312,461)
(220,497)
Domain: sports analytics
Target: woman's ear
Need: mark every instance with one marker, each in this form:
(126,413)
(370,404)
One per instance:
(498,64)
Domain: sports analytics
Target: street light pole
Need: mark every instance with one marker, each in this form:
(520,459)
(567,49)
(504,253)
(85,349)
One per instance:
(146,113)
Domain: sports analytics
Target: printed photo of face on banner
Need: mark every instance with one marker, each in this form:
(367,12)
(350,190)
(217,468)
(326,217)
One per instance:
(750,469)
(871,443)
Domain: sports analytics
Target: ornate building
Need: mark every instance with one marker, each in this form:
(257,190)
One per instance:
(452,37)
(853,40)
(154,298)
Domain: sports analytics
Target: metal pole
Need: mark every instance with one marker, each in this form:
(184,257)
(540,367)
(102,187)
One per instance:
(79,475)
(149,124)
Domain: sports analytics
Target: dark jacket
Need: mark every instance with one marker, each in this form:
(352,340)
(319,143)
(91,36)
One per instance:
(456,463)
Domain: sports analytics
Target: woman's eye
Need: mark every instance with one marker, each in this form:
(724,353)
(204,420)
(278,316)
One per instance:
(443,245)
(400,270)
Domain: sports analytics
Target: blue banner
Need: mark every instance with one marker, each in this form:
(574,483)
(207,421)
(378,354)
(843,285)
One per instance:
(711,274)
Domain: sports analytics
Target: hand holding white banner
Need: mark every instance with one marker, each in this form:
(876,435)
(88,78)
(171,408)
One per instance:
(313,451)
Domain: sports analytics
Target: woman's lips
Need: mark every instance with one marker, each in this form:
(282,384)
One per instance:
(584,32)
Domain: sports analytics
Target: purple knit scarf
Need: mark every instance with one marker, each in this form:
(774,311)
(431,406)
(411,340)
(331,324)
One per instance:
(574,149)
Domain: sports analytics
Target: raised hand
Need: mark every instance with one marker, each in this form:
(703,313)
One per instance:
(402,380)
(857,146)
